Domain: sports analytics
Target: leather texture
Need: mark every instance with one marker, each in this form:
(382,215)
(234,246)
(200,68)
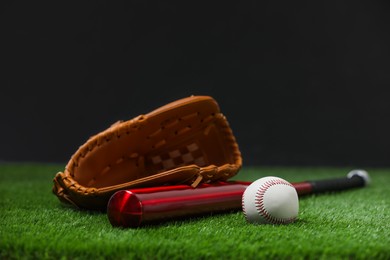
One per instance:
(188,141)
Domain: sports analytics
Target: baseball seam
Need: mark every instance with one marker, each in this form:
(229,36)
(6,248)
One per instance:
(259,202)
(243,207)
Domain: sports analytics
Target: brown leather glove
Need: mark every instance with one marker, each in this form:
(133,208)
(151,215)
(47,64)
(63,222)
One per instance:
(188,141)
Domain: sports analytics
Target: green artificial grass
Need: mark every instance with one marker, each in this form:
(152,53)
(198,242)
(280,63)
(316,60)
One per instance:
(353,224)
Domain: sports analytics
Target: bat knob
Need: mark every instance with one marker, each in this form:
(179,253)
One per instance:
(361,173)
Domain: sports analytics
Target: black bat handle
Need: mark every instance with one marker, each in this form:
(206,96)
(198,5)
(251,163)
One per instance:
(354,179)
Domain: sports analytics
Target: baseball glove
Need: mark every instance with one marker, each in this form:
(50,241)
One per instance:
(188,141)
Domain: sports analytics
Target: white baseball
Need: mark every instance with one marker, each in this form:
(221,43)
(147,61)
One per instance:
(270,200)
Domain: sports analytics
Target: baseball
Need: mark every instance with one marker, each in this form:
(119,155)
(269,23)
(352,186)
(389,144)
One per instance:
(270,200)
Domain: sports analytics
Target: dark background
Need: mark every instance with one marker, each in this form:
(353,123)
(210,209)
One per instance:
(301,83)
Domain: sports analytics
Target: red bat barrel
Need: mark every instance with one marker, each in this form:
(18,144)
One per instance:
(136,207)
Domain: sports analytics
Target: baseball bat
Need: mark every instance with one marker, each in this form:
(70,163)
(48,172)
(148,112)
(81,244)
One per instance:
(136,207)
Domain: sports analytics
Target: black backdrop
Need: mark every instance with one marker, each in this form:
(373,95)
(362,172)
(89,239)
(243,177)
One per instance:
(301,83)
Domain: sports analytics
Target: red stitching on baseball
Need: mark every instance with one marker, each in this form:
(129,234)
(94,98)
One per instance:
(259,202)
(243,207)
